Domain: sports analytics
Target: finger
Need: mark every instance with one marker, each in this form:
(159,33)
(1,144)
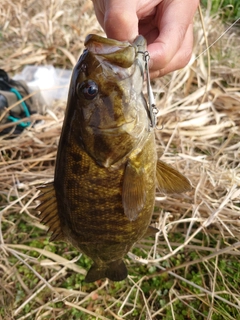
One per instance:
(173,25)
(180,59)
(120,20)
(99,9)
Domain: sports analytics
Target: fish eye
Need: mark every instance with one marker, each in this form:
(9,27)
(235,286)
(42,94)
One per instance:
(88,89)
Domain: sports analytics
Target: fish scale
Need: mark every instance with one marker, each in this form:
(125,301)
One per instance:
(99,194)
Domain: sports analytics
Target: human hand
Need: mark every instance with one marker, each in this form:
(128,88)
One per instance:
(166,24)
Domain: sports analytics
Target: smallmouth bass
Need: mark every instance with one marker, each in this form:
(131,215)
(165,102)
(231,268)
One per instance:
(103,193)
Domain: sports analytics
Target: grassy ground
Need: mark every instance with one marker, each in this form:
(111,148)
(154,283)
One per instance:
(192,269)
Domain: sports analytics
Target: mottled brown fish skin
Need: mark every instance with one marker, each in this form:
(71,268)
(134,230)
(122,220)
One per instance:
(102,197)
(90,206)
(90,200)
(88,186)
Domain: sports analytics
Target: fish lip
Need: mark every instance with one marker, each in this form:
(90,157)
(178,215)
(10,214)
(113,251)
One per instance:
(118,53)
(105,45)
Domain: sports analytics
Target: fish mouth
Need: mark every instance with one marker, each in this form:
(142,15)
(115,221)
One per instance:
(100,45)
(120,53)
(103,45)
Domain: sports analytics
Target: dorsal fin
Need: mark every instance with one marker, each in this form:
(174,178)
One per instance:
(49,212)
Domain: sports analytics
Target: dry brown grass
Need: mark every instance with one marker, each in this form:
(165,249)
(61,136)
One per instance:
(200,136)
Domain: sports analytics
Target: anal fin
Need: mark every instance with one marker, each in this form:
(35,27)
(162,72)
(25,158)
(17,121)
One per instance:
(151,231)
(49,212)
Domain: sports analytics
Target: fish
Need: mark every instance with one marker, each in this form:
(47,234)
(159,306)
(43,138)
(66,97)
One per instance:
(107,169)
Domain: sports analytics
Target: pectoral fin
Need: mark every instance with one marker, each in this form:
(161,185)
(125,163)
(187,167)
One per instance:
(49,212)
(170,180)
(133,192)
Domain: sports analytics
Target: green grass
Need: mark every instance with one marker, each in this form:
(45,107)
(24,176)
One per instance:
(229,10)
(156,287)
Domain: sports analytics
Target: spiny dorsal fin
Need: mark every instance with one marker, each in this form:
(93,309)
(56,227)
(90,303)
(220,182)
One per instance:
(133,193)
(48,211)
(170,180)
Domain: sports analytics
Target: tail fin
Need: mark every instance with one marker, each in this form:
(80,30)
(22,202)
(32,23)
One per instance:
(95,273)
(115,271)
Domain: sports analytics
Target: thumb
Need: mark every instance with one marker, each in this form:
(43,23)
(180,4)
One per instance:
(120,20)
